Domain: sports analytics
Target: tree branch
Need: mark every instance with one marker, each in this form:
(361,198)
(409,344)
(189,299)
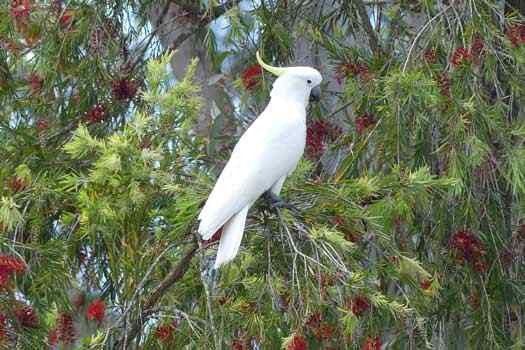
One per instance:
(176,274)
(370,32)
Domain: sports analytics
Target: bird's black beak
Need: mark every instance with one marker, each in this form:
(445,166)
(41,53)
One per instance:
(315,94)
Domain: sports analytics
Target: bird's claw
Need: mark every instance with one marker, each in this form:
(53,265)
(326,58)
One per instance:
(274,201)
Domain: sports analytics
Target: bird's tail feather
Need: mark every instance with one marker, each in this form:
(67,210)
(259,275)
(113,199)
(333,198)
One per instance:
(232,233)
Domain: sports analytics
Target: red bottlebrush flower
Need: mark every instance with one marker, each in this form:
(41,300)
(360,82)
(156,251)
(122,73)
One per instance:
(516,34)
(66,20)
(425,284)
(460,56)
(216,236)
(3,322)
(41,125)
(314,321)
(325,280)
(11,264)
(314,143)
(476,49)
(96,310)
(372,344)
(164,333)
(360,304)
(17,184)
(52,337)
(364,122)
(65,329)
(469,248)
(96,114)
(124,89)
(26,316)
(480,266)
(251,77)
(443,82)
(430,55)
(297,343)
(324,331)
(347,70)
(317,135)
(4,278)
(240,344)
(20,9)
(35,82)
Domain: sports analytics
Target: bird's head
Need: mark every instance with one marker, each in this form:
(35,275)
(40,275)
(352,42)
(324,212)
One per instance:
(299,83)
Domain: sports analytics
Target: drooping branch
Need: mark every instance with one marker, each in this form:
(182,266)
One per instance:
(367,26)
(175,275)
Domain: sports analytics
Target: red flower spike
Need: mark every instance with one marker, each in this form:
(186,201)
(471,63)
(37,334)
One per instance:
(52,337)
(65,329)
(443,82)
(516,34)
(4,278)
(476,49)
(317,135)
(347,70)
(66,19)
(26,316)
(298,343)
(96,114)
(480,266)
(20,9)
(96,310)
(372,343)
(425,284)
(314,321)
(364,122)
(360,305)
(214,238)
(251,77)
(124,89)
(325,331)
(430,55)
(164,333)
(35,82)
(41,125)
(240,344)
(11,264)
(460,56)
(17,184)
(469,248)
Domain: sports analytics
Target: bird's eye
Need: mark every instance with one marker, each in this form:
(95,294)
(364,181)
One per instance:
(309,81)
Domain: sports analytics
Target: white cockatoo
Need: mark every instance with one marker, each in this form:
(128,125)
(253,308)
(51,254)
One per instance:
(264,156)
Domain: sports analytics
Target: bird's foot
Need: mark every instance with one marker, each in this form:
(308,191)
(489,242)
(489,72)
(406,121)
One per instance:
(274,201)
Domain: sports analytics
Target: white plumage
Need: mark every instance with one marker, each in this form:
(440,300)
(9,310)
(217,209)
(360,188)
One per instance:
(265,154)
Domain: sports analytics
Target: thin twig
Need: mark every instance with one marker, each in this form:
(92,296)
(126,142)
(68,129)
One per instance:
(370,32)
(176,274)
(421,31)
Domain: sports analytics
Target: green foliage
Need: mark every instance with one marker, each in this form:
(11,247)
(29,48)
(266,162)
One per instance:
(409,223)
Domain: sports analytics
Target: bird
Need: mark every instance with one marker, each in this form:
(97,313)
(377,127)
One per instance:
(267,152)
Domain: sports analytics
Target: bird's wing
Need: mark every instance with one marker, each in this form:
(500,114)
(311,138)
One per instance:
(268,150)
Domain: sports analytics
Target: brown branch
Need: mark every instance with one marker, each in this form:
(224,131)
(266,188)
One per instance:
(365,19)
(175,275)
